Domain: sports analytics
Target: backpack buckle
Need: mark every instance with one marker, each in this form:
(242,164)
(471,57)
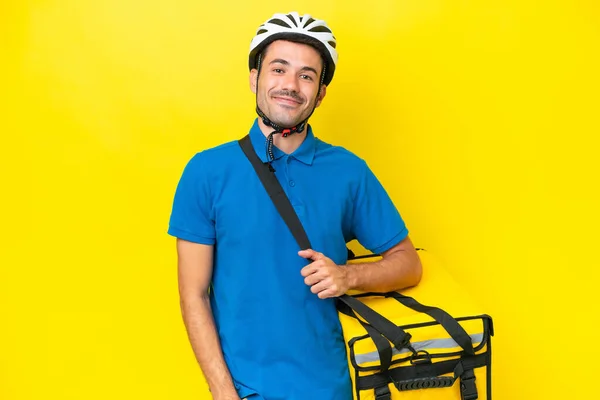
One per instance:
(468,389)
(383,393)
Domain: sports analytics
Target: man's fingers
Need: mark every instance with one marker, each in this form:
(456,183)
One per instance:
(321,286)
(311,254)
(319,274)
(311,268)
(325,294)
(326,288)
(316,276)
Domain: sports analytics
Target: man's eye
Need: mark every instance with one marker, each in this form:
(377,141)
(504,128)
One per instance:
(278,70)
(306,77)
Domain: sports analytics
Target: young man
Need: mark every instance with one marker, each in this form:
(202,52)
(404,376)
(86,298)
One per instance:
(260,313)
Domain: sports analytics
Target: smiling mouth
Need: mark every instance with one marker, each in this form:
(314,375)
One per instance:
(287,100)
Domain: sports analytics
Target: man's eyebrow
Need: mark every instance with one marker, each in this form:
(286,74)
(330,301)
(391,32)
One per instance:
(309,69)
(284,62)
(279,61)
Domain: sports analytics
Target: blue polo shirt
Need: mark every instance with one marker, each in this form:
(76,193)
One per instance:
(279,340)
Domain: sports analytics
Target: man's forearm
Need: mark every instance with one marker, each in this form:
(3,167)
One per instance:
(396,271)
(199,322)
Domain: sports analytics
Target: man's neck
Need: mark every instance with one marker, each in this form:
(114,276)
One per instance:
(288,144)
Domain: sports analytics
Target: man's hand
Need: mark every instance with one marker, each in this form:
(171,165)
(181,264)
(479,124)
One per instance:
(325,278)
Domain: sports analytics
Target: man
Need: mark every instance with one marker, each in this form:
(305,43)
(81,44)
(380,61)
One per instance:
(260,314)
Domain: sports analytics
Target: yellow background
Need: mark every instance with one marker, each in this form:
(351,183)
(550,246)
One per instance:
(480,118)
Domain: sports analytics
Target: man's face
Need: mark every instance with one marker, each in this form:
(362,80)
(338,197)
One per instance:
(288,83)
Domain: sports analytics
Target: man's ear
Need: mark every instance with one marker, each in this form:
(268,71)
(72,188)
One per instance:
(253,75)
(321,95)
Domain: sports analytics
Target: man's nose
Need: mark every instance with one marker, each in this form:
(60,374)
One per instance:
(290,82)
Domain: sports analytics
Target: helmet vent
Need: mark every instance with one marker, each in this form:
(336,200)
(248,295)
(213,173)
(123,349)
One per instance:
(279,22)
(292,19)
(320,29)
(310,21)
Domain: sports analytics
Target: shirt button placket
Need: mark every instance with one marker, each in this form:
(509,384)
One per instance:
(291,182)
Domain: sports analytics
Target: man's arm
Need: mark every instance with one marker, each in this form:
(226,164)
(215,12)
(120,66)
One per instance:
(399,268)
(195,264)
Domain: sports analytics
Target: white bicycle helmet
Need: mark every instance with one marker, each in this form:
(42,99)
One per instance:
(294,26)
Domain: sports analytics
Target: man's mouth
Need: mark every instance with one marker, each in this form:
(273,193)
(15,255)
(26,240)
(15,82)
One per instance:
(287,100)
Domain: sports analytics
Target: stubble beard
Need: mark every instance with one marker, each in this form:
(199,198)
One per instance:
(280,115)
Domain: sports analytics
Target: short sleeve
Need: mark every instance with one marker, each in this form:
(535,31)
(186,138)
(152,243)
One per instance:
(191,215)
(376,222)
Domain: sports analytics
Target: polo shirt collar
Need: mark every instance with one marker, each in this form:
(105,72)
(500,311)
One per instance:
(305,153)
